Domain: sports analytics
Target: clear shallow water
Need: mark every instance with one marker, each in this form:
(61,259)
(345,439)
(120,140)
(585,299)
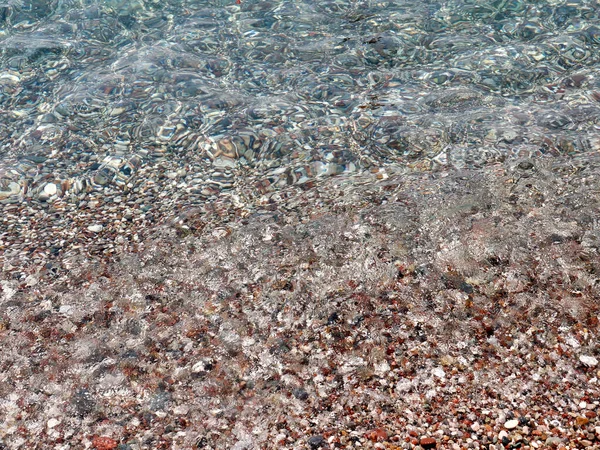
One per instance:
(144,107)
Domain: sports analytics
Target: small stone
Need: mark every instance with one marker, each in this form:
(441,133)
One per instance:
(585,443)
(13,188)
(181,410)
(378,434)
(104,443)
(117,111)
(428,442)
(382,369)
(100,179)
(582,421)
(50,189)
(588,361)
(553,441)
(525,165)
(438,372)
(446,360)
(31,280)
(52,422)
(510,424)
(316,441)
(83,402)
(65,309)
(97,228)
(300,394)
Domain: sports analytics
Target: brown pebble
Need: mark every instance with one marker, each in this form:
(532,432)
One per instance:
(578,80)
(582,421)
(428,442)
(103,443)
(377,435)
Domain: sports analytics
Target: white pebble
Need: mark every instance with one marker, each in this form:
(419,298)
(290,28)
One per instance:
(181,410)
(438,372)
(117,111)
(52,422)
(95,228)
(15,188)
(66,310)
(510,424)
(589,361)
(50,189)
(382,369)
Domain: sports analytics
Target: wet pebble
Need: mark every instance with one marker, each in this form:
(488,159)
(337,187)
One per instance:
(316,441)
(50,189)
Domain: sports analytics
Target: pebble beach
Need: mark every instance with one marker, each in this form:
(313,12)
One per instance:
(299,225)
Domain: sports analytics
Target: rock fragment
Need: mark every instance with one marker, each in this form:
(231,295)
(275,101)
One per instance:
(103,443)
(428,442)
(588,361)
(316,442)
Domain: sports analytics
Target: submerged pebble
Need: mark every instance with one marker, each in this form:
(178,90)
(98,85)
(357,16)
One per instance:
(95,228)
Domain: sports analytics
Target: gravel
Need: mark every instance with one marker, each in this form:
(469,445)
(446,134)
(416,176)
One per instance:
(351,293)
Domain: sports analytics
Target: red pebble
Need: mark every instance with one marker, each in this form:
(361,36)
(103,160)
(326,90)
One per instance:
(428,442)
(378,434)
(104,443)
